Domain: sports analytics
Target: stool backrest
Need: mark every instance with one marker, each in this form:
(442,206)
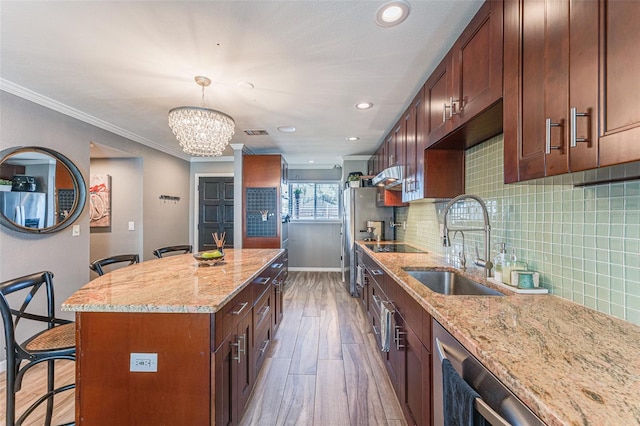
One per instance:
(99,264)
(162,250)
(28,286)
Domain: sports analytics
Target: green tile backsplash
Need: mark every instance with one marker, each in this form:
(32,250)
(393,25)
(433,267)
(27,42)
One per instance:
(584,241)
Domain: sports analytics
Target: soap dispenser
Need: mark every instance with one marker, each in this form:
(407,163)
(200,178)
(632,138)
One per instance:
(512,264)
(499,262)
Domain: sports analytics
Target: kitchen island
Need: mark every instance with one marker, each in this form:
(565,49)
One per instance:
(169,341)
(569,364)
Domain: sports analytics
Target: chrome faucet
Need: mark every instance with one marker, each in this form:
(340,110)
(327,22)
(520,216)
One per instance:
(462,259)
(484,263)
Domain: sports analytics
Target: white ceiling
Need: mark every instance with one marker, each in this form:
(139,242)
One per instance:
(122,65)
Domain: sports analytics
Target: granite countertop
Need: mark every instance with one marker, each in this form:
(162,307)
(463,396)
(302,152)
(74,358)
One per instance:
(172,284)
(570,364)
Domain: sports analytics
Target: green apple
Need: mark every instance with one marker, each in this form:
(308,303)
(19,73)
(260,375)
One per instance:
(214,254)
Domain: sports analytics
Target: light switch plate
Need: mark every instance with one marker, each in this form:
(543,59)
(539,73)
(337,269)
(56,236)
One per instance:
(131,226)
(143,362)
(75,231)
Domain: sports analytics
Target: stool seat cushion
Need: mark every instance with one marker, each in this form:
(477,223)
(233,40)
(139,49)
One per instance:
(60,337)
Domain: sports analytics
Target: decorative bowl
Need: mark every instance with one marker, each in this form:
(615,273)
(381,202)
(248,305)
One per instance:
(207,262)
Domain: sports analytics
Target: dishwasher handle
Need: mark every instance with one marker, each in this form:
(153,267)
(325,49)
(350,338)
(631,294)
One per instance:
(487,412)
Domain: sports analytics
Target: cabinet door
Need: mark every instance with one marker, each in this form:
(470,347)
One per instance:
(583,84)
(225,395)
(416,367)
(477,64)
(620,85)
(396,357)
(243,365)
(536,69)
(437,93)
(409,182)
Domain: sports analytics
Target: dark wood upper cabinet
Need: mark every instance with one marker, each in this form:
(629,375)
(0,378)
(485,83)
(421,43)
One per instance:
(620,61)
(437,91)
(570,86)
(551,80)
(464,92)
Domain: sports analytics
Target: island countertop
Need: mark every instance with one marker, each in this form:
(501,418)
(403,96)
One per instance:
(570,364)
(172,284)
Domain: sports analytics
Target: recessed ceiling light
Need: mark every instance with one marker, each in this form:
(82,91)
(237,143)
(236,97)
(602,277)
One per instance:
(392,13)
(245,85)
(364,105)
(311,161)
(287,129)
(353,138)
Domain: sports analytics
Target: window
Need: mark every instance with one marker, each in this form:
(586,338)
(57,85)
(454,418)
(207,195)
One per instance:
(314,201)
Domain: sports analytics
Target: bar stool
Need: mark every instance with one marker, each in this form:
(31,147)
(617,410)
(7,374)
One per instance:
(56,341)
(97,265)
(163,250)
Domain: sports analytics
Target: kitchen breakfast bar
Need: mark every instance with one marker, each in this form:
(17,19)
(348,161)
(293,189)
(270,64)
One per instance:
(170,341)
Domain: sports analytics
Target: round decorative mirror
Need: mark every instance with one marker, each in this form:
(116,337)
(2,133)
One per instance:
(41,190)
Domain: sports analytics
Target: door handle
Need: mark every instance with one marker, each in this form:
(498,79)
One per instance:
(547,136)
(396,338)
(573,138)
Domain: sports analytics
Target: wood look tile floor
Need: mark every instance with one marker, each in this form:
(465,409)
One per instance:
(322,369)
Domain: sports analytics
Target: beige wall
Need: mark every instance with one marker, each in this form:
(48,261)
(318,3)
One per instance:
(26,123)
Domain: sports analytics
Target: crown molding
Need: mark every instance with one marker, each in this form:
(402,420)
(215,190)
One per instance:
(54,105)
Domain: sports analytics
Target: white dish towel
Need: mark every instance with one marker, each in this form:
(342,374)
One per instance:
(385,327)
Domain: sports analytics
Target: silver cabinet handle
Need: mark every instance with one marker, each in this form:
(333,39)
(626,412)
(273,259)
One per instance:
(376,272)
(453,103)
(376,299)
(277,265)
(244,305)
(397,337)
(265,345)
(262,280)
(444,112)
(264,311)
(573,138)
(547,135)
(240,349)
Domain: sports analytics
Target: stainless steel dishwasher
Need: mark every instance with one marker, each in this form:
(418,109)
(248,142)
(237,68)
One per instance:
(496,404)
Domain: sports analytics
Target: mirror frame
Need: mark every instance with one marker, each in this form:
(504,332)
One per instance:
(79,185)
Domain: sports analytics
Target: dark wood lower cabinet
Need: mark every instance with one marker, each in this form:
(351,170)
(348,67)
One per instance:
(408,361)
(233,374)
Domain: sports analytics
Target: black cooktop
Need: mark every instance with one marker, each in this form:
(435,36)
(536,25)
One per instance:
(393,248)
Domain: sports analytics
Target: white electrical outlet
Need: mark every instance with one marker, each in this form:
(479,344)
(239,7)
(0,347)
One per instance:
(131,226)
(145,363)
(75,231)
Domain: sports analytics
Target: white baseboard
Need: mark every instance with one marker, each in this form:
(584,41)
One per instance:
(306,269)
(3,366)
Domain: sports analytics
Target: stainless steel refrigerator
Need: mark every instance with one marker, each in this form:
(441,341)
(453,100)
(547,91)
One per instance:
(358,208)
(25,208)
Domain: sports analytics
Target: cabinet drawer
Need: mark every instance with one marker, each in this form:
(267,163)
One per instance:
(227,318)
(263,310)
(263,336)
(261,283)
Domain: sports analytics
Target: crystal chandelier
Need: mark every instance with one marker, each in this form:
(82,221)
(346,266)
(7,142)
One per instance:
(201,131)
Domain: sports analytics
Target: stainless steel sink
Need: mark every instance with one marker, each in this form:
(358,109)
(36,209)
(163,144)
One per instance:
(450,283)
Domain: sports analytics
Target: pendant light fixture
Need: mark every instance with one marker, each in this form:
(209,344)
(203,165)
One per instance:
(201,131)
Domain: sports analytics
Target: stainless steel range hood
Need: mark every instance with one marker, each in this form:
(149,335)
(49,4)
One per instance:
(390,178)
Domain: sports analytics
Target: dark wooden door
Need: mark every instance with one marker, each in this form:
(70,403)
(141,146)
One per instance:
(437,93)
(412,399)
(620,85)
(583,83)
(216,211)
(536,73)
(243,367)
(477,64)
